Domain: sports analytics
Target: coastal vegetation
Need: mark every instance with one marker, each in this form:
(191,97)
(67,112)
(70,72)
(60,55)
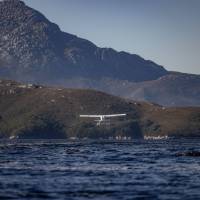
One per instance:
(35,112)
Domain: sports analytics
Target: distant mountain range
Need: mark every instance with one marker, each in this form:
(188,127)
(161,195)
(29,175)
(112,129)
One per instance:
(32,49)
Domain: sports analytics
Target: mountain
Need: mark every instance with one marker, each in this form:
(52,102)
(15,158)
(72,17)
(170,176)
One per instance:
(35,111)
(37,49)
(32,49)
(174,89)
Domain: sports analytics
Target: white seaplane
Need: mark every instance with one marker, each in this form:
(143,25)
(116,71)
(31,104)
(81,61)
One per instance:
(102,118)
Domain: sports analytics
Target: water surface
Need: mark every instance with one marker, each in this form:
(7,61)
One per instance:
(146,169)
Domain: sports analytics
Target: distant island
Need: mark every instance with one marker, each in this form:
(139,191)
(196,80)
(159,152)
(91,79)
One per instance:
(29,111)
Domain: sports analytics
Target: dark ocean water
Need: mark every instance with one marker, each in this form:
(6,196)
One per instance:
(82,170)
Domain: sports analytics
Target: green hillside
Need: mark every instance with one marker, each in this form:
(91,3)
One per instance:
(33,111)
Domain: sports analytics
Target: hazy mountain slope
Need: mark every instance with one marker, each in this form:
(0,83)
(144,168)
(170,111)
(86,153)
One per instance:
(171,90)
(30,111)
(32,48)
(175,89)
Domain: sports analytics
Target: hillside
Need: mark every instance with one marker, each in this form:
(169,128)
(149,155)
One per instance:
(33,111)
(175,89)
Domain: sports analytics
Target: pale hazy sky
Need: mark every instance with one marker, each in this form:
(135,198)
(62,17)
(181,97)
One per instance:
(165,31)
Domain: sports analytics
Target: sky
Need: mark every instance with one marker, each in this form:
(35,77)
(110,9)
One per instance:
(165,31)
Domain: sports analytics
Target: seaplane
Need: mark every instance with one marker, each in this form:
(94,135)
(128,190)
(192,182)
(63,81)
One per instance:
(102,118)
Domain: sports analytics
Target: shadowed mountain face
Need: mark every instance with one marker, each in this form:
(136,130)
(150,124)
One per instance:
(33,48)
(33,111)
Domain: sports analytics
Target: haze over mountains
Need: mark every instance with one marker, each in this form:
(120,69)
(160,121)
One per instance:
(32,49)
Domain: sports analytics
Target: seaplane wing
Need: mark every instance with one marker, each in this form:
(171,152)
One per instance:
(91,116)
(115,115)
(103,116)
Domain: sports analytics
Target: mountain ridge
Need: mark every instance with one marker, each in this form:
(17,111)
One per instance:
(41,45)
(33,49)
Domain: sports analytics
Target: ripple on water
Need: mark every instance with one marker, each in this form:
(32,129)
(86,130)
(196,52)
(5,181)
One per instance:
(99,170)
